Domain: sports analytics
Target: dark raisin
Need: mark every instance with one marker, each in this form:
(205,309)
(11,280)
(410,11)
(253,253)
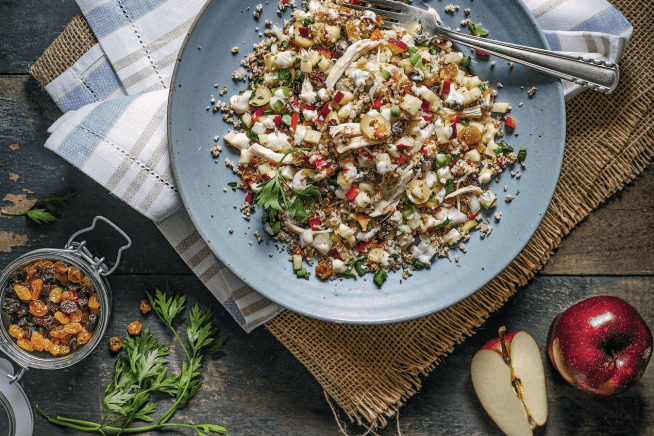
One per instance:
(338,52)
(68,307)
(21,275)
(297,87)
(22,322)
(46,322)
(85,291)
(398,129)
(384,230)
(23,311)
(11,305)
(53,307)
(72,287)
(91,323)
(372,177)
(83,303)
(317,76)
(29,329)
(332,123)
(72,342)
(326,188)
(416,76)
(47,275)
(45,289)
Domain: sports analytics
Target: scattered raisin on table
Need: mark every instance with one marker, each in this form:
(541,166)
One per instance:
(52,307)
(115,343)
(134,328)
(145,306)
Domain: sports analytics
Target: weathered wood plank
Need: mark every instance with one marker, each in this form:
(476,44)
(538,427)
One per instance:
(255,387)
(29,172)
(616,238)
(28,28)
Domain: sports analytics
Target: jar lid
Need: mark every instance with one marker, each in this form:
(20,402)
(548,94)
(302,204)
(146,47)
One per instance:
(16,417)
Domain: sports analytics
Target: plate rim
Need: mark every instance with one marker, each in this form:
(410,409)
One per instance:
(180,55)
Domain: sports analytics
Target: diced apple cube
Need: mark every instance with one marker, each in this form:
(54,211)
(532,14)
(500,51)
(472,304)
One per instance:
(411,104)
(312,136)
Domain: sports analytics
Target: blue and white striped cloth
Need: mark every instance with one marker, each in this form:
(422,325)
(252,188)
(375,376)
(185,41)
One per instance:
(115,96)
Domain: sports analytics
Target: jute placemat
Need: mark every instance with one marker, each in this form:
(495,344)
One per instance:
(370,371)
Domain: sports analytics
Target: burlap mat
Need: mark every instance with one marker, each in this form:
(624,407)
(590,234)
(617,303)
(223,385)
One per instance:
(372,370)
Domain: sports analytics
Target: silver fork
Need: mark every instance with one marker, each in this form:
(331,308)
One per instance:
(599,75)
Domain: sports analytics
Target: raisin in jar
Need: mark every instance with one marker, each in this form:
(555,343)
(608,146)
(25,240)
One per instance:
(55,304)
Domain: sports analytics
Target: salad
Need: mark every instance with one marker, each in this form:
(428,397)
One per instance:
(368,150)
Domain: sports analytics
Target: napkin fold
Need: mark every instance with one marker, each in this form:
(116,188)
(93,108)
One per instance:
(114,100)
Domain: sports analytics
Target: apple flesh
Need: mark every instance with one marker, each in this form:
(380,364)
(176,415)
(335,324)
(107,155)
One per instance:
(509,379)
(600,345)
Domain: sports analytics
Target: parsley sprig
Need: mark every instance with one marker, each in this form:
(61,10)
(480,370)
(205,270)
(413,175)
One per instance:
(42,211)
(274,198)
(128,395)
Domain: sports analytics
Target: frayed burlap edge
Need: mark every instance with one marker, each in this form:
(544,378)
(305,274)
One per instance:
(76,39)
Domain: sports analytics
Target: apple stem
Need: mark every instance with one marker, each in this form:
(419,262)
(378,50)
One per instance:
(505,352)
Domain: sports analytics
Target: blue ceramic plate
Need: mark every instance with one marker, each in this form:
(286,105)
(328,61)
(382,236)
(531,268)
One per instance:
(224,24)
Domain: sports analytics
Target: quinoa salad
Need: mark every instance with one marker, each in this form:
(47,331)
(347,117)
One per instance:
(367,149)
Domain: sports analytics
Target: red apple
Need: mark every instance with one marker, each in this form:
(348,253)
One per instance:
(600,345)
(508,377)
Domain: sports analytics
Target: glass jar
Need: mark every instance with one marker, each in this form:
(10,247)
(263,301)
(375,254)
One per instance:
(76,254)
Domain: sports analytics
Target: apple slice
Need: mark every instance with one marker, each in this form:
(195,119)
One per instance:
(509,379)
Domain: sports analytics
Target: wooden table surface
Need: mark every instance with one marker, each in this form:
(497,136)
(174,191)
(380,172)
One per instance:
(256,387)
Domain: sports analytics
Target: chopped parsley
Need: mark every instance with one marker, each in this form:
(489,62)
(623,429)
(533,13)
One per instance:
(380,276)
(477,29)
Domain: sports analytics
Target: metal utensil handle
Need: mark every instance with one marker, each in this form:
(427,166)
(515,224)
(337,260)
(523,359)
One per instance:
(70,243)
(599,75)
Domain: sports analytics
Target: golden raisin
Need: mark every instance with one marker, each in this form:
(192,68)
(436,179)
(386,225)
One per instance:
(58,332)
(55,294)
(76,317)
(134,328)
(93,302)
(59,349)
(23,292)
(145,306)
(47,344)
(30,271)
(83,337)
(115,343)
(324,269)
(60,267)
(63,278)
(25,345)
(62,318)
(470,135)
(16,331)
(38,308)
(74,274)
(449,72)
(37,341)
(85,316)
(95,311)
(68,295)
(72,328)
(36,286)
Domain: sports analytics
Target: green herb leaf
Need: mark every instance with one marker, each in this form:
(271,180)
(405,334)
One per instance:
(380,276)
(441,225)
(416,264)
(503,147)
(283,44)
(40,215)
(522,154)
(167,308)
(465,62)
(449,187)
(477,29)
(358,266)
(233,185)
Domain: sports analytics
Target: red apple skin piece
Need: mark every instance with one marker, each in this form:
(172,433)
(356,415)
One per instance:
(580,340)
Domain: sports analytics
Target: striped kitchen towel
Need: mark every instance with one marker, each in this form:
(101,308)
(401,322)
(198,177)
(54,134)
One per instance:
(114,125)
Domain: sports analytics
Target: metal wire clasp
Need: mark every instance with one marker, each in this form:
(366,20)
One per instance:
(84,252)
